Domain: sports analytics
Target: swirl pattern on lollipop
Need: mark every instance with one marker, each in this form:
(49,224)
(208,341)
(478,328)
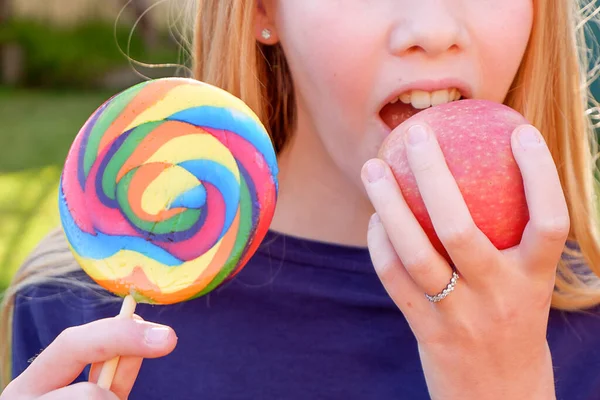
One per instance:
(168,190)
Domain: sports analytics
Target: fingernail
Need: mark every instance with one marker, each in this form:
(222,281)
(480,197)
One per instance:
(417,135)
(529,136)
(375,170)
(374,220)
(156,335)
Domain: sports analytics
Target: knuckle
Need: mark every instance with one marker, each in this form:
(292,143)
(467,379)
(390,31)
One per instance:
(458,235)
(553,229)
(102,352)
(541,294)
(66,337)
(542,301)
(73,339)
(505,316)
(420,263)
(388,270)
(424,164)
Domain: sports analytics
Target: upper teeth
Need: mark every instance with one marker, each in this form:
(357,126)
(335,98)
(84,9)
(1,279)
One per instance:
(421,99)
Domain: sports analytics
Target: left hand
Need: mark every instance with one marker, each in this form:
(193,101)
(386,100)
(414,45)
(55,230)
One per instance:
(487,338)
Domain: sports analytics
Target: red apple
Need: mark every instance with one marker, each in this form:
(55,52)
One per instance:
(475,137)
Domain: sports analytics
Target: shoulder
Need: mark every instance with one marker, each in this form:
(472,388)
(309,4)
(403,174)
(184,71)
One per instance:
(576,330)
(582,325)
(51,292)
(51,279)
(51,270)
(574,340)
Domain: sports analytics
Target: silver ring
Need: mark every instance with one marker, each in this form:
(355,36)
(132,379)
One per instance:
(442,295)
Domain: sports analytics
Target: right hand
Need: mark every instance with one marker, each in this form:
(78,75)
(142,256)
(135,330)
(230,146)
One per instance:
(50,375)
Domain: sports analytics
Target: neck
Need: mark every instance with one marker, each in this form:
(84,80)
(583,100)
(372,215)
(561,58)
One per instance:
(316,200)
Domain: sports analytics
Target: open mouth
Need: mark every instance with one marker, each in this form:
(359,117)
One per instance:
(410,103)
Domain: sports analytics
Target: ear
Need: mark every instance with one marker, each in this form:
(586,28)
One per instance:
(264,27)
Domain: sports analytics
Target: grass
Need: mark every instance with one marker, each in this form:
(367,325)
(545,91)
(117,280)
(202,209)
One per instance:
(60,57)
(37,129)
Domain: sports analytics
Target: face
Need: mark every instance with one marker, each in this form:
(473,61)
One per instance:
(361,67)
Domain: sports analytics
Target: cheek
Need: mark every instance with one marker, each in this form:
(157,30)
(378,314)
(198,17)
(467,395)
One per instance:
(334,64)
(330,57)
(502,40)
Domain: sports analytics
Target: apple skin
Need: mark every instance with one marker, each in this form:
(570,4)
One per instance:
(475,138)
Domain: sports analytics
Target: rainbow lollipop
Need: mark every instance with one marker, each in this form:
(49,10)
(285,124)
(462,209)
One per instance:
(168,190)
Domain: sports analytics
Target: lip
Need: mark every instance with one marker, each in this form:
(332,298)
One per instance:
(431,85)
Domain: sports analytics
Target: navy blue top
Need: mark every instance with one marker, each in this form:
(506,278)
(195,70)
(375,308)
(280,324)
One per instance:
(303,320)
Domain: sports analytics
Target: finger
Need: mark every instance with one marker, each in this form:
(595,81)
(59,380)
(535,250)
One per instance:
(83,390)
(424,264)
(548,227)
(466,245)
(96,342)
(394,277)
(125,375)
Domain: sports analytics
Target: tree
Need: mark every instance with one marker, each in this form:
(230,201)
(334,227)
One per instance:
(146,26)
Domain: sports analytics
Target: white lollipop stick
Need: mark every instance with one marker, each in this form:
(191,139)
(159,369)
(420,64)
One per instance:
(107,373)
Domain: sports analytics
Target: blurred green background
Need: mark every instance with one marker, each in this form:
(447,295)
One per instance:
(59,61)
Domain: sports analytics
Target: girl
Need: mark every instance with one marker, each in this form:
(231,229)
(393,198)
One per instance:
(332,306)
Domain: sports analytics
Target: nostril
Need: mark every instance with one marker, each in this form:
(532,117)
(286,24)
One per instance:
(421,49)
(414,49)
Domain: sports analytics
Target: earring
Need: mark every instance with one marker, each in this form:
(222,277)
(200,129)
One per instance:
(266,34)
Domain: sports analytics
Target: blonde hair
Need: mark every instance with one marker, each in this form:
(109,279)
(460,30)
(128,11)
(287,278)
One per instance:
(550,89)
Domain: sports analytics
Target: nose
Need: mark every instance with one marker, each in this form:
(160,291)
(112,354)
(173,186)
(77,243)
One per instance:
(431,29)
